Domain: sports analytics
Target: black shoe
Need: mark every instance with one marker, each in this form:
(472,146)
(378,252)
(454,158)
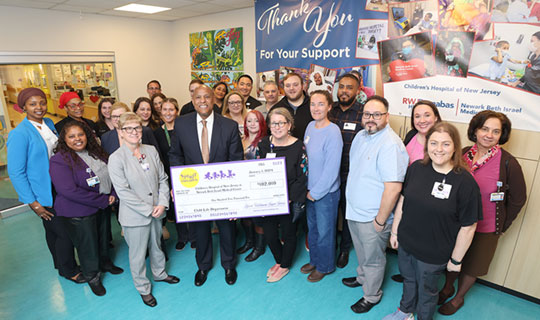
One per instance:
(200,277)
(342,259)
(351,282)
(97,287)
(112,269)
(260,248)
(397,277)
(193,245)
(180,246)
(149,300)
(243,249)
(170,279)
(362,306)
(230,276)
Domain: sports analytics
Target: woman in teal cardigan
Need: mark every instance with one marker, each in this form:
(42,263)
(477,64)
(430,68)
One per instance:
(29,147)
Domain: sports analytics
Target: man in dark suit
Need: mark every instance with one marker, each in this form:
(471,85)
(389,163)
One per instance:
(204,137)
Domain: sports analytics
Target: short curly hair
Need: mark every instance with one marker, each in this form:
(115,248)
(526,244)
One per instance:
(481,117)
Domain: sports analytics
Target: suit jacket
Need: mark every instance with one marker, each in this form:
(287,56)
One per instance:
(110,143)
(28,163)
(74,198)
(138,190)
(225,143)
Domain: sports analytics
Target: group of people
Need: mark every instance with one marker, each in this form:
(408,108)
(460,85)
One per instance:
(350,179)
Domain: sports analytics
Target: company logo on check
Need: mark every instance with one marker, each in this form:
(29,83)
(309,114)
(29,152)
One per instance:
(189,178)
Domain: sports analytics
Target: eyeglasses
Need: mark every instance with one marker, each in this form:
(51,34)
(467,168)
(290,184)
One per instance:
(280,124)
(80,105)
(115,117)
(132,129)
(375,115)
(235,103)
(153,88)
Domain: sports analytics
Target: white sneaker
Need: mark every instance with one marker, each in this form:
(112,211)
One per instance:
(399,315)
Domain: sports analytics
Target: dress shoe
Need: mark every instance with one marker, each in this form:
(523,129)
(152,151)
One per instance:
(230,276)
(78,278)
(342,260)
(278,275)
(97,287)
(307,268)
(200,277)
(112,269)
(149,300)
(351,282)
(245,248)
(397,278)
(449,308)
(180,246)
(363,306)
(170,279)
(315,276)
(443,296)
(258,249)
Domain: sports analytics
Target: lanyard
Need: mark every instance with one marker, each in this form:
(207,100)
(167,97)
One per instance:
(167,136)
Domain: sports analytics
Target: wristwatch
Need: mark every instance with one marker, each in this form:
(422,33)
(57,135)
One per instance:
(455,262)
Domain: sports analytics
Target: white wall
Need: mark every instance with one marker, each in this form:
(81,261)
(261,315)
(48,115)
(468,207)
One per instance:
(142,47)
(236,18)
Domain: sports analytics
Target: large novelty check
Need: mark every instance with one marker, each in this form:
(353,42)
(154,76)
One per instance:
(228,190)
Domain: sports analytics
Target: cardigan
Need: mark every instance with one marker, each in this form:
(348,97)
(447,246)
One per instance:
(514,188)
(28,163)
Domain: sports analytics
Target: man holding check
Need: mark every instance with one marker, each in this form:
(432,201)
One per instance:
(199,138)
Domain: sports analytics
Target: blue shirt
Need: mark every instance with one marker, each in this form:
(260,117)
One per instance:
(323,147)
(375,159)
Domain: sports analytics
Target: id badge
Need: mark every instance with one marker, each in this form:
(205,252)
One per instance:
(270,155)
(349,126)
(145,166)
(496,196)
(306,140)
(92,181)
(441,190)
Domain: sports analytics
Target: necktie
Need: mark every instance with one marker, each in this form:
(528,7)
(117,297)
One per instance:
(204,143)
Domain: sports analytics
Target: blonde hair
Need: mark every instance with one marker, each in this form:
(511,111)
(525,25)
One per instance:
(281,111)
(226,112)
(128,117)
(120,105)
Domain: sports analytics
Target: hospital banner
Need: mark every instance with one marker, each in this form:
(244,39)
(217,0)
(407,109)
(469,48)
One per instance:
(464,55)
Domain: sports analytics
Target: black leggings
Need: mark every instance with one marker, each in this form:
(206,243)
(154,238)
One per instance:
(283,253)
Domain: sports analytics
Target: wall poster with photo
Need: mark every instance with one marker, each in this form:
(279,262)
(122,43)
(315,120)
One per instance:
(464,55)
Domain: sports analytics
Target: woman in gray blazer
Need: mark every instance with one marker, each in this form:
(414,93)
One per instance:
(141,184)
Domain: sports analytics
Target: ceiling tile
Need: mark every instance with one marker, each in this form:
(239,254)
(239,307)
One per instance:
(167,3)
(84,9)
(27,4)
(207,8)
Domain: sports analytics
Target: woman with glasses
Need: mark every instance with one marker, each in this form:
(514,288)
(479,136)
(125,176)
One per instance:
(141,184)
(234,108)
(254,131)
(83,191)
(29,148)
(324,145)
(104,124)
(75,111)
(111,140)
(282,144)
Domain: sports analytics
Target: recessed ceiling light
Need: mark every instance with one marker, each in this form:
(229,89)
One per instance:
(142,8)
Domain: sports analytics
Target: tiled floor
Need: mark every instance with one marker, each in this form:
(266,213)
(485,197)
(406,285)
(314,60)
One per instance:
(31,289)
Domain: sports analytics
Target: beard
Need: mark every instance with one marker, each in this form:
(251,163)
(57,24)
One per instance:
(346,102)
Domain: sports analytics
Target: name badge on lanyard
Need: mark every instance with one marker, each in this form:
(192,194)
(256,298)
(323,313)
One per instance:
(441,190)
(92,181)
(349,126)
(497,196)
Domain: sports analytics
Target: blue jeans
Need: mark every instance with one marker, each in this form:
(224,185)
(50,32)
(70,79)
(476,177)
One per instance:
(322,219)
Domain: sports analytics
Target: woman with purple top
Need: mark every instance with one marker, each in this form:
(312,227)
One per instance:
(324,145)
(80,177)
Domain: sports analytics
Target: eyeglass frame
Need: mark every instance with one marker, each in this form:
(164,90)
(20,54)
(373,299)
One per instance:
(130,130)
(375,115)
(279,124)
